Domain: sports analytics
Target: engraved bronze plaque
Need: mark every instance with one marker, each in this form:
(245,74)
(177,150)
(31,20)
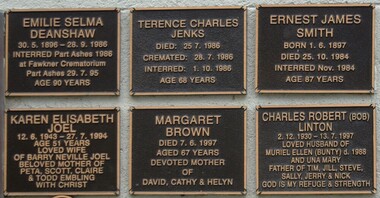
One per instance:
(62,52)
(316,149)
(188,150)
(315,48)
(187,51)
(62,152)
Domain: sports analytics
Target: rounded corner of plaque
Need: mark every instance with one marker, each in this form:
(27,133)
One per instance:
(244,192)
(131,92)
(257,90)
(372,90)
(258,192)
(131,192)
(117,109)
(7,93)
(132,108)
(131,10)
(5,193)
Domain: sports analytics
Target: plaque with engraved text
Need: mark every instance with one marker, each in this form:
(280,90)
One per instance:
(62,152)
(315,48)
(62,52)
(316,149)
(187,51)
(188,150)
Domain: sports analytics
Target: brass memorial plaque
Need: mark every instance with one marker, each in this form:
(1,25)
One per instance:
(62,152)
(316,149)
(315,48)
(62,52)
(187,150)
(187,51)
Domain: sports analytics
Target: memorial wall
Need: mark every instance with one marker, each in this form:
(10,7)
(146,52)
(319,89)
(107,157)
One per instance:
(196,98)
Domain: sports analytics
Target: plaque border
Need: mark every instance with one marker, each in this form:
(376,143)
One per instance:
(315,192)
(186,192)
(85,93)
(166,93)
(370,91)
(59,193)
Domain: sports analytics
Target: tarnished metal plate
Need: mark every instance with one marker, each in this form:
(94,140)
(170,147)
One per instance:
(316,149)
(188,150)
(62,152)
(315,48)
(177,51)
(62,52)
